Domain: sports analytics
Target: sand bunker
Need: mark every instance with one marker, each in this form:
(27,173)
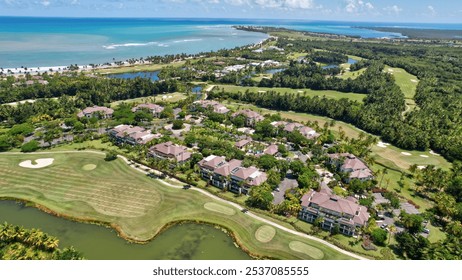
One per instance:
(89,167)
(433,153)
(38,163)
(421,167)
(424,156)
(306,249)
(406,154)
(219,208)
(414,81)
(265,234)
(382,144)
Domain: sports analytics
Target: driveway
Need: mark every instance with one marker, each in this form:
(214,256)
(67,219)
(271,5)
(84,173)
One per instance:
(286,184)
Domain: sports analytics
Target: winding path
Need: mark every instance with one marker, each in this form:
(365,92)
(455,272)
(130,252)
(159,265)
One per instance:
(146,170)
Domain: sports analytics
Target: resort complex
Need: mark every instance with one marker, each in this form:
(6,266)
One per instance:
(296,146)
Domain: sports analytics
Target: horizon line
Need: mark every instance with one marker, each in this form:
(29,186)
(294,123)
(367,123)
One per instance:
(227,18)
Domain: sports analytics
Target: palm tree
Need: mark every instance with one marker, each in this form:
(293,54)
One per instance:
(384,171)
(392,230)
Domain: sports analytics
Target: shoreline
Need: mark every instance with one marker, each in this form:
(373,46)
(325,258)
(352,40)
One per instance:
(90,67)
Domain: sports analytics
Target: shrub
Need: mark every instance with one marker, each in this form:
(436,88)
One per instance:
(111,155)
(29,147)
(177,124)
(379,236)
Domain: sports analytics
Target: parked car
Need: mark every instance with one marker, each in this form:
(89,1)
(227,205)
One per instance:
(384,226)
(244,210)
(426,230)
(186,187)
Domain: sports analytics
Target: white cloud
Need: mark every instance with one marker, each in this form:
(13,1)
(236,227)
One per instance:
(271,4)
(432,10)
(300,4)
(358,6)
(393,9)
(45,3)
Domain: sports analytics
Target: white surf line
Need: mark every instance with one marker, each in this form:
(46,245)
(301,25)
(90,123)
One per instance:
(297,233)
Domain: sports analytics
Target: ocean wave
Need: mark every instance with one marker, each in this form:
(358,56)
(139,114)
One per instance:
(187,40)
(127,45)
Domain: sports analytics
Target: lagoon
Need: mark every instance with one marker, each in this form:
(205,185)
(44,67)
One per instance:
(187,241)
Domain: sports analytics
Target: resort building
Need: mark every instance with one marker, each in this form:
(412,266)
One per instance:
(271,150)
(288,127)
(349,163)
(332,211)
(170,151)
(132,135)
(241,144)
(215,106)
(96,111)
(155,109)
(230,175)
(251,117)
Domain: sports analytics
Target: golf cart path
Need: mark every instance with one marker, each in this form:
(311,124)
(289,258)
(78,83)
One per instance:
(147,170)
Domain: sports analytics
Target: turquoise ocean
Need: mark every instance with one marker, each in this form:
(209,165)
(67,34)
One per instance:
(32,42)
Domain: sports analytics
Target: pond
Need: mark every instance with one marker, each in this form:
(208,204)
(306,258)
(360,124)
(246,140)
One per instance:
(350,61)
(153,75)
(196,89)
(274,71)
(187,241)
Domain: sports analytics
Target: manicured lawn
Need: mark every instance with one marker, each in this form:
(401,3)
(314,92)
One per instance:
(307,92)
(351,74)
(296,55)
(390,156)
(137,205)
(136,68)
(407,82)
(168,97)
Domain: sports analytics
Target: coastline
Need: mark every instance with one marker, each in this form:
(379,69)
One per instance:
(89,68)
(420,33)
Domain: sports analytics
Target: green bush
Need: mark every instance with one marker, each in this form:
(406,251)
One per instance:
(29,147)
(111,155)
(177,124)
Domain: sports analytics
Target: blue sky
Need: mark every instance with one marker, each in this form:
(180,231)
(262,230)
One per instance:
(444,11)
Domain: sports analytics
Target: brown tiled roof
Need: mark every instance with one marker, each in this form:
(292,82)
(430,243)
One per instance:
(152,107)
(249,114)
(271,150)
(212,162)
(242,143)
(169,149)
(130,130)
(337,204)
(139,134)
(256,178)
(91,110)
(350,162)
(279,123)
(244,173)
(217,107)
(183,156)
(361,174)
(225,170)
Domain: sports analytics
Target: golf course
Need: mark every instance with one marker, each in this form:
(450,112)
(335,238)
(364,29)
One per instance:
(82,186)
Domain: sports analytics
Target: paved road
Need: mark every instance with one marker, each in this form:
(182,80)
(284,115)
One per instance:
(141,168)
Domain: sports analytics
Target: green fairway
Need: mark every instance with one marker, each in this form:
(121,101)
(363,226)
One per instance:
(136,205)
(390,156)
(306,92)
(407,82)
(352,74)
(168,97)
